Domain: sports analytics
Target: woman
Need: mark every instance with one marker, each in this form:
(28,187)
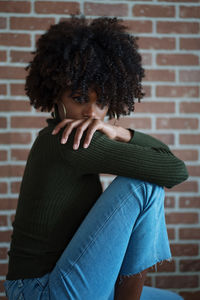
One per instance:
(70,240)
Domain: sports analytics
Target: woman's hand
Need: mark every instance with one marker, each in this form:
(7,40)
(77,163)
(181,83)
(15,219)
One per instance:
(112,131)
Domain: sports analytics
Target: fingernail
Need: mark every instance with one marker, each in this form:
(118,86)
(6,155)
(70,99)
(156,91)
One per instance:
(75,146)
(53,132)
(85,145)
(63,141)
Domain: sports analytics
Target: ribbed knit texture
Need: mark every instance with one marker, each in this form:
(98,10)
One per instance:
(60,185)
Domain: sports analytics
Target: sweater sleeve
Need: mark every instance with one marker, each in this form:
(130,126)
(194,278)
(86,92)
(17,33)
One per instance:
(143,139)
(143,157)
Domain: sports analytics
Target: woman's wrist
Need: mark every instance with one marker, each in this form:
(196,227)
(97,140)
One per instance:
(123,134)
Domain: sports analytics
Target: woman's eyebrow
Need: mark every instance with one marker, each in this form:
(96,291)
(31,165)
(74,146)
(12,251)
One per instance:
(75,93)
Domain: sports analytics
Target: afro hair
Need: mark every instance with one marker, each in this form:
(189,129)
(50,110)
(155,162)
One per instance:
(77,54)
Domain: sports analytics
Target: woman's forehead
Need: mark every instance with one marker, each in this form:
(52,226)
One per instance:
(91,91)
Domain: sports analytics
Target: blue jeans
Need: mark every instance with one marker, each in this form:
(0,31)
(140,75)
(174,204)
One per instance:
(123,234)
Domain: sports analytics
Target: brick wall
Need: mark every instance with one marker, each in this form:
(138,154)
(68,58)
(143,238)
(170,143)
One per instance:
(169,44)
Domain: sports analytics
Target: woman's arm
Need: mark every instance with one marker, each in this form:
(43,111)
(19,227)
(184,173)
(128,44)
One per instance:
(143,157)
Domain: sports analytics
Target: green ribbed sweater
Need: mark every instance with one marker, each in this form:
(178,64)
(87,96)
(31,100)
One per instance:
(60,185)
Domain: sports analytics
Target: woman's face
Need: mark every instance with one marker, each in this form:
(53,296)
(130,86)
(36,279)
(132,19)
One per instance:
(76,110)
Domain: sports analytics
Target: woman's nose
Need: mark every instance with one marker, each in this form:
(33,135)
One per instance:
(89,111)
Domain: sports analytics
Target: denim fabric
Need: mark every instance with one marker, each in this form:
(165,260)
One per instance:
(123,234)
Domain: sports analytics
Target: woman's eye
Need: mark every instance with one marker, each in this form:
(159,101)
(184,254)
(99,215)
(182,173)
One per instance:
(100,105)
(77,99)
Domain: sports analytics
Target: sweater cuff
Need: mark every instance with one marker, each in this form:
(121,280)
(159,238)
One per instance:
(134,136)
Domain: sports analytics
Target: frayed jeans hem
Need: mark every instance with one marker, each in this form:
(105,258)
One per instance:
(147,266)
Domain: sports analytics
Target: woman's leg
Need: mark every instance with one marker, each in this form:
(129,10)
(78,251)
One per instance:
(131,288)
(101,248)
(149,240)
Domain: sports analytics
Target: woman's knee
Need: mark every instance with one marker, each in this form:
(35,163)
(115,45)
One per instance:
(146,192)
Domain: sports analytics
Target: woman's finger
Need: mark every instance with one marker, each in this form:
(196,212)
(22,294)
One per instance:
(69,128)
(61,125)
(97,124)
(79,132)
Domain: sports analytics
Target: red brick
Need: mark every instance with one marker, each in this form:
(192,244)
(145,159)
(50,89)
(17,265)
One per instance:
(147,281)
(65,18)
(156,43)
(3,187)
(12,72)
(189,295)
(15,187)
(171,233)
(3,89)
(189,12)
(20,56)
(147,90)
(184,249)
(14,105)
(190,155)
(154,107)
(190,107)
(3,252)
(159,75)
(189,233)
(2,289)
(3,56)
(186,186)
(144,123)
(181,218)
(146,58)
(102,9)
(27,122)
(189,43)
(3,221)
(3,155)
(177,59)
(2,22)
(3,122)
(15,138)
(177,281)
(165,138)
(31,23)
(177,123)
(17,89)
(15,39)
(163,266)
(177,91)
(187,265)
(42,7)
(191,202)
(186,75)
(12,218)
(3,269)
(15,6)
(189,139)
(169,202)
(19,154)
(4,298)
(11,170)
(144,26)
(8,203)
(5,237)
(177,27)
(153,11)
(194,170)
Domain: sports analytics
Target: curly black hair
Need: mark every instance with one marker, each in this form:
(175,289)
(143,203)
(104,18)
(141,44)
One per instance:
(77,54)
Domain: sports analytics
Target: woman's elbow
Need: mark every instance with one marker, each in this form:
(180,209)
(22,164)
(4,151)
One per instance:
(180,174)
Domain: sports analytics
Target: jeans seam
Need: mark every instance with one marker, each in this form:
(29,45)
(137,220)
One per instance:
(103,225)
(40,284)
(156,233)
